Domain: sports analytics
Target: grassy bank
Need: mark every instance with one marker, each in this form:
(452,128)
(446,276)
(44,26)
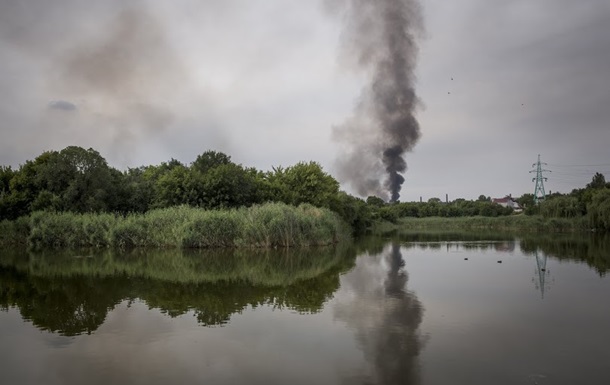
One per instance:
(263,226)
(513,223)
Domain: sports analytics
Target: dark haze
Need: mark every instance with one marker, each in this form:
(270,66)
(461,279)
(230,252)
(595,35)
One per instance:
(108,65)
(381,36)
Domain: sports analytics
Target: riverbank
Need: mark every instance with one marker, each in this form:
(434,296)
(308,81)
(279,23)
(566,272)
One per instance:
(512,223)
(270,225)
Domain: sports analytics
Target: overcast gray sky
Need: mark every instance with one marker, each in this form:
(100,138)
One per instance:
(144,81)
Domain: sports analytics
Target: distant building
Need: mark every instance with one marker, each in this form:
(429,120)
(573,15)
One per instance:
(508,201)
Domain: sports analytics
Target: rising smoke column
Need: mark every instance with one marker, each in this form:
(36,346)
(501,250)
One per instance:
(381,36)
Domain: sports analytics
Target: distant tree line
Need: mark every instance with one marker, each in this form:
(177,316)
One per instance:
(434,207)
(591,202)
(79,180)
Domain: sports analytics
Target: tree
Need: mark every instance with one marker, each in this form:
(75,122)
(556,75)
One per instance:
(308,183)
(599,210)
(209,160)
(375,201)
(354,211)
(81,179)
(598,181)
(526,200)
(560,207)
(170,187)
(6,174)
(228,185)
(24,187)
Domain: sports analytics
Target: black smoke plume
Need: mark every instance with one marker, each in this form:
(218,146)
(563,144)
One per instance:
(381,36)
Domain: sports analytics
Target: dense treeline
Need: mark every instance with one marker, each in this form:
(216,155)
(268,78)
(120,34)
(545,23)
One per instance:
(81,181)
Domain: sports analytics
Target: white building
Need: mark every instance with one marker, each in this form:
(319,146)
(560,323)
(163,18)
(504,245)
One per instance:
(508,201)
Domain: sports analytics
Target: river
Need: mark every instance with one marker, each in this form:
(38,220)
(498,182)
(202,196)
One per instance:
(433,308)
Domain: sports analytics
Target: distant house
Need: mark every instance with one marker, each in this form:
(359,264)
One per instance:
(508,201)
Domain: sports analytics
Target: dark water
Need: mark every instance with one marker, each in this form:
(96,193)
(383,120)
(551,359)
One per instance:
(407,309)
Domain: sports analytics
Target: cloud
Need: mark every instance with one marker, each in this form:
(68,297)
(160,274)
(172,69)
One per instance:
(63,105)
(153,80)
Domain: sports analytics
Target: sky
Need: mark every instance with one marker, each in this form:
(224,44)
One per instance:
(144,81)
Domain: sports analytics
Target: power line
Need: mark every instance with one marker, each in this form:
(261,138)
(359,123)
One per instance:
(580,165)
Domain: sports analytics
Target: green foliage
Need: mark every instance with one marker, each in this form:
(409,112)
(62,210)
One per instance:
(597,182)
(307,183)
(210,160)
(228,185)
(520,223)
(599,210)
(526,200)
(354,211)
(213,229)
(6,174)
(80,181)
(14,232)
(171,187)
(56,230)
(375,201)
(560,207)
(269,225)
(435,208)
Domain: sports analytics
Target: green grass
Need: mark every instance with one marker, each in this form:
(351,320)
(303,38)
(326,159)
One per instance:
(271,225)
(517,223)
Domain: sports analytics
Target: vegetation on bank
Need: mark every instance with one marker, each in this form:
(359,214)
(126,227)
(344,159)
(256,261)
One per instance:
(513,223)
(80,182)
(584,209)
(271,225)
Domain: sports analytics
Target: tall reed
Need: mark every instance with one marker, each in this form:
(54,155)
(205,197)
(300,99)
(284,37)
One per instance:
(271,225)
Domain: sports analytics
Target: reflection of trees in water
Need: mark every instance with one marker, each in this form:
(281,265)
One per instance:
(71,305)
(594,249)
(385,317)
(72,296)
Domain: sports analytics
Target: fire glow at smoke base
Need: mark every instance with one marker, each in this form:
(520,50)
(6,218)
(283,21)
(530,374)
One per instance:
(381,36)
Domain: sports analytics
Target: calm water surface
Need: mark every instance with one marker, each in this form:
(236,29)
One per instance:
(403,309)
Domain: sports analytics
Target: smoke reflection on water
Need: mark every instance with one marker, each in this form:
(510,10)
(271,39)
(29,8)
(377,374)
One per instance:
(385,318)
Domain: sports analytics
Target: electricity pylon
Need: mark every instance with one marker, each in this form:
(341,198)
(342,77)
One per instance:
(539,193)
